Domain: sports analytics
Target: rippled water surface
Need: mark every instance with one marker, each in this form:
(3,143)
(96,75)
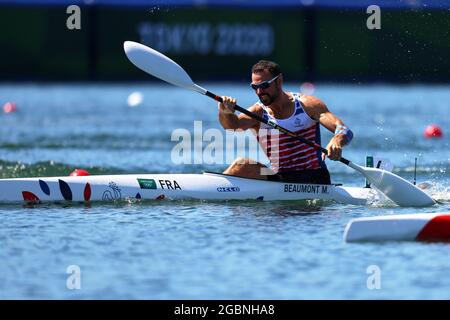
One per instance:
(209,250)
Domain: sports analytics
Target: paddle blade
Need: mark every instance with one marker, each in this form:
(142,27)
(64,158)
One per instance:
(399,190)
(158,65)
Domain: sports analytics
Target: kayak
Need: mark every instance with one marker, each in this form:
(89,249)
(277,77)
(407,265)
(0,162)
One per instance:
(405,227)
(206,186)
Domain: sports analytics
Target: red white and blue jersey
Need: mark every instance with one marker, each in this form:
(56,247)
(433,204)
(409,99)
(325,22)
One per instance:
(287,154)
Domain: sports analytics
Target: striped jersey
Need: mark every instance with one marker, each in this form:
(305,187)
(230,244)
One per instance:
(287,154)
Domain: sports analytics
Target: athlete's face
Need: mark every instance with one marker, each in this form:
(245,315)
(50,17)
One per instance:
(266,86)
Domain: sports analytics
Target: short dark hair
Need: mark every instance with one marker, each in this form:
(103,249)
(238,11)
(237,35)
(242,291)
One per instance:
(271,66)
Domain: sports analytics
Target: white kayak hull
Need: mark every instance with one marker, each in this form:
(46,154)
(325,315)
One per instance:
(405,227)
(206,186)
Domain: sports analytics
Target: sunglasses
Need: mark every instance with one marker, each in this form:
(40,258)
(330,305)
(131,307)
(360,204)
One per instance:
(264,84)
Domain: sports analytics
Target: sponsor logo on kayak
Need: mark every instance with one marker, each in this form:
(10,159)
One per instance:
(147,183)
(228,189)
(306,188)
(113,194)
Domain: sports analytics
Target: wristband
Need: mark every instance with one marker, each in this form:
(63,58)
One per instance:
(340,129)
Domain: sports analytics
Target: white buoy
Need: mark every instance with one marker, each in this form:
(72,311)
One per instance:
(135,99)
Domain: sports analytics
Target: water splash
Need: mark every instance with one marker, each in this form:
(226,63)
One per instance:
(438,191)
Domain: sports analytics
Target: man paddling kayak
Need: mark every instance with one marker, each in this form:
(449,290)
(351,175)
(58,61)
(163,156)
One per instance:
(399,190)
(290,159)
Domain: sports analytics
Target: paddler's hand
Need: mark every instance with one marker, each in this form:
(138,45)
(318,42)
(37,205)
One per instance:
(228,105)
(334,148)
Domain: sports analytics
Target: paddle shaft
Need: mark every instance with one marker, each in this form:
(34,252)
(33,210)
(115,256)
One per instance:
(275,126)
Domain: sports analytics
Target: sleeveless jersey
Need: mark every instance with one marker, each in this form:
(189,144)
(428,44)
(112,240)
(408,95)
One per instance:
(286,153)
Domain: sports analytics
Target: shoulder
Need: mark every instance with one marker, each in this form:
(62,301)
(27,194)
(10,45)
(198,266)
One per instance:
(313,106)
(313,102)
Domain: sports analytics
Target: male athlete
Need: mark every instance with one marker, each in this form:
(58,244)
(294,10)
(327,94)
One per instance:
(290,159)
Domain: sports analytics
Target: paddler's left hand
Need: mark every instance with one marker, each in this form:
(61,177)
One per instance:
(334,148)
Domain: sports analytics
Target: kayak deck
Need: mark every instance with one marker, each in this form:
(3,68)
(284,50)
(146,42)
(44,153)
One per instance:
(206,186)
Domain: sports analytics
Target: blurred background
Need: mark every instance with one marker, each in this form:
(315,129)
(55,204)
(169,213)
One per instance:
(312,40)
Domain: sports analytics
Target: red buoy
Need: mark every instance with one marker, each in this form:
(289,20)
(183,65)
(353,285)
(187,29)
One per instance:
(79,172)
(433,131)
(9,107)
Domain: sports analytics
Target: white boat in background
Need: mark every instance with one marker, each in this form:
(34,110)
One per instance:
(206,186)
(405,227)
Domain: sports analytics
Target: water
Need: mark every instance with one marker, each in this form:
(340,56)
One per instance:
(215,250)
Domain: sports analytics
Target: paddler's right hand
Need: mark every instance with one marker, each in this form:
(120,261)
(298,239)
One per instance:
(227,106)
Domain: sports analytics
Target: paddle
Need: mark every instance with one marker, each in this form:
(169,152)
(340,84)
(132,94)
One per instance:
(155,63)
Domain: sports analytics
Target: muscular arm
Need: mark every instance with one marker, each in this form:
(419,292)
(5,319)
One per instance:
(229,120)
(318,111)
